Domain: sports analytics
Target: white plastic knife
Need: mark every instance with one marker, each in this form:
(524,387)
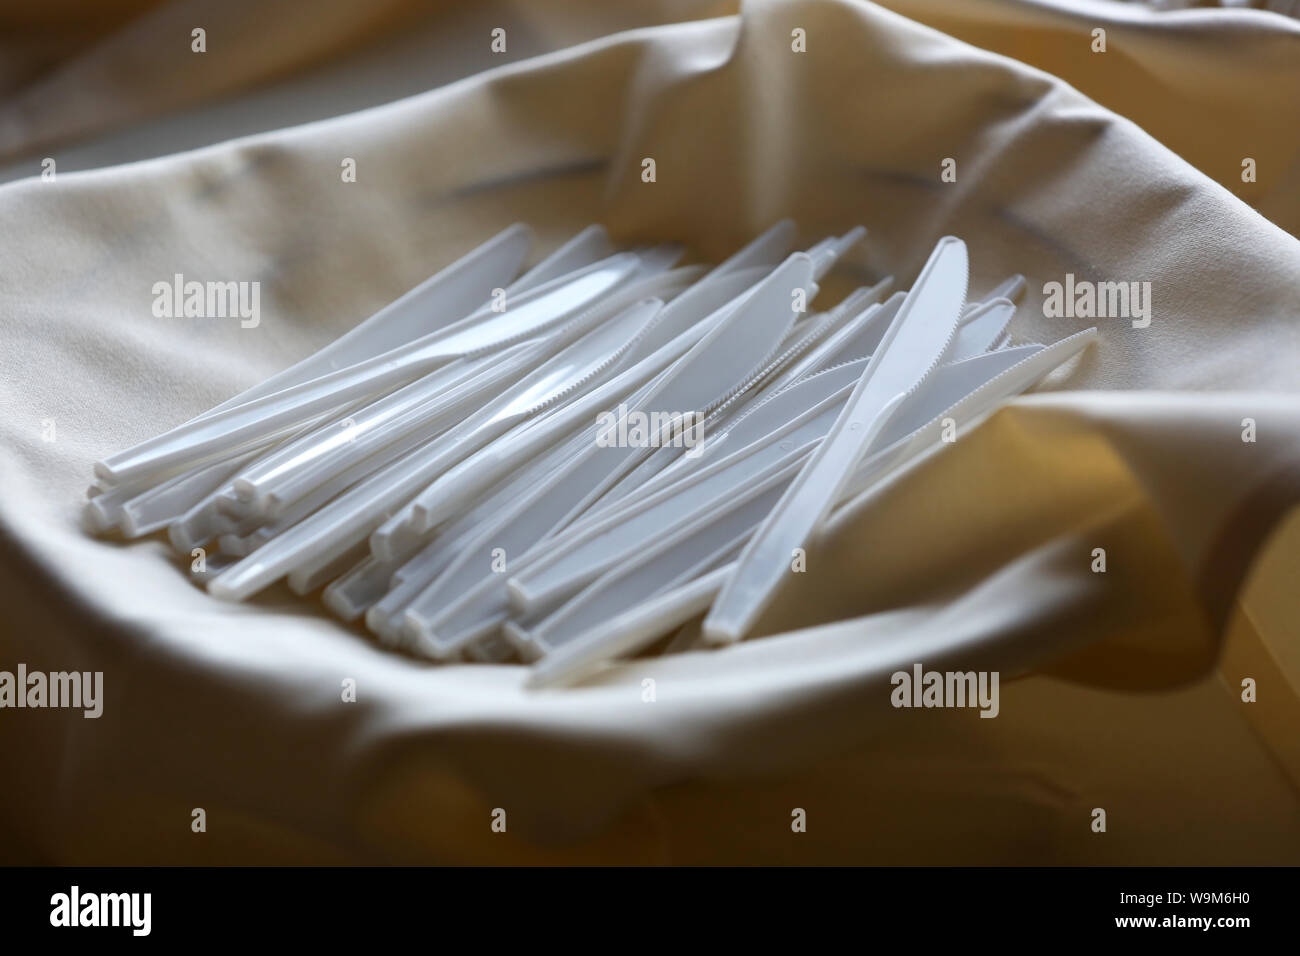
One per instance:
(909,351)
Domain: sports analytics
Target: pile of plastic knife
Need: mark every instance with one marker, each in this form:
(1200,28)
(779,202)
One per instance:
(567,465)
